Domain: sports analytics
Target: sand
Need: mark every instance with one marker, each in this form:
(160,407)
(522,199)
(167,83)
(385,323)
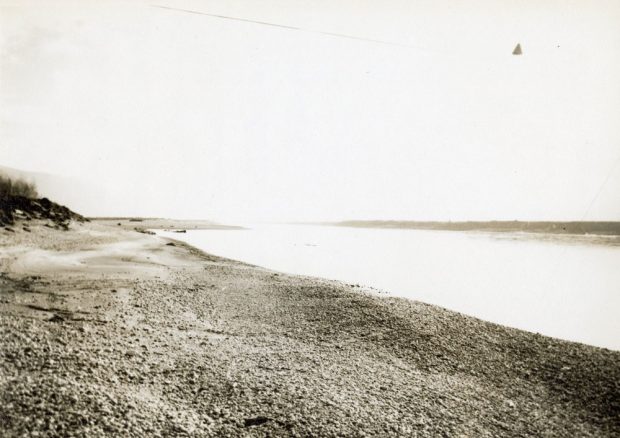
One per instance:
(111,332)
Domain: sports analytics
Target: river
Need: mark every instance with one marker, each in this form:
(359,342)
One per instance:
(562,286)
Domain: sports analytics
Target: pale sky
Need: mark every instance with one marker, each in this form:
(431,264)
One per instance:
(184,115)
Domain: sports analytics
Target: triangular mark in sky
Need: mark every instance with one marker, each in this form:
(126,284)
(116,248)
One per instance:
(517,50)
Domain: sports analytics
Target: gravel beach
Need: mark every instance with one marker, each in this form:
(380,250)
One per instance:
(106,331)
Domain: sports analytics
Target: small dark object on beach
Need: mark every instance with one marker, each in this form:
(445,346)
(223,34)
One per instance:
(119,224)
(56,318)
(170,244)
(180,231)
(256,421)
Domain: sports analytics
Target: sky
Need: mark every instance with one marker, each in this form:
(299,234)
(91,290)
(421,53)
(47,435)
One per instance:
(174,114)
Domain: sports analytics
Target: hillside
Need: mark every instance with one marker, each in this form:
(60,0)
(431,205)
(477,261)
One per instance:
(80,195)
(14,208)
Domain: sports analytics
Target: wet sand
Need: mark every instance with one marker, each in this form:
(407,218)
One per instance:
(111,332)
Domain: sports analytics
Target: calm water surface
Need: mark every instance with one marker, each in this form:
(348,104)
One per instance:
(561,286)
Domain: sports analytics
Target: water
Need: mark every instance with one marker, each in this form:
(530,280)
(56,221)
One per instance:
(562,286)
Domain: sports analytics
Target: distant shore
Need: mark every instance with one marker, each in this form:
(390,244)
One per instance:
(145,223)
(108,331)
(556,227)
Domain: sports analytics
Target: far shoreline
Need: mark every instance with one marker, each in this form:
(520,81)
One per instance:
(600,228)
(152,223)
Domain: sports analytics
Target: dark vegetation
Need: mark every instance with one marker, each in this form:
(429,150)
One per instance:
(16,187)
(18,201)
(576,227)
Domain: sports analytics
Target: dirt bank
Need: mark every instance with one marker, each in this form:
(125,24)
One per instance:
(105,331)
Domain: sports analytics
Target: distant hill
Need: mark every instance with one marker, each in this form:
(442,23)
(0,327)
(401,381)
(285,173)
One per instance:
(575,227)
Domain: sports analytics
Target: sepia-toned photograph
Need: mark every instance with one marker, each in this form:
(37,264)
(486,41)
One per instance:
(295,218)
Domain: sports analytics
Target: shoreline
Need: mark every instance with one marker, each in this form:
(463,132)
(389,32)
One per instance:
(493,292)
(110,331)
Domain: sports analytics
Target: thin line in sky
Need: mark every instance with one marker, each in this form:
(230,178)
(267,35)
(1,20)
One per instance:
(600,189)
(284,26)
